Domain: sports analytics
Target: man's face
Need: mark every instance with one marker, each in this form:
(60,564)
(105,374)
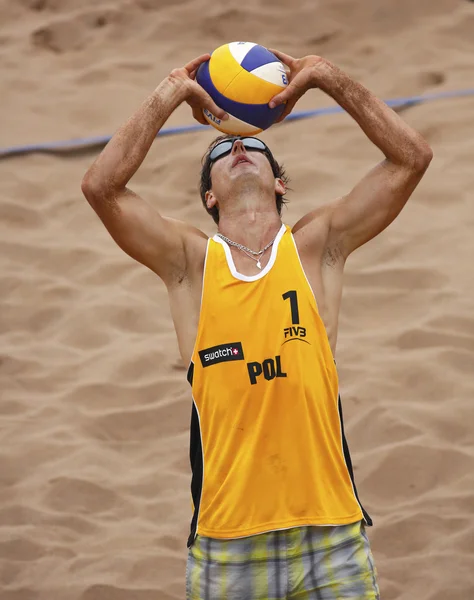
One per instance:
(242,170)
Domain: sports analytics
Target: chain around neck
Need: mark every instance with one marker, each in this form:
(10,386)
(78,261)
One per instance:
(244,248)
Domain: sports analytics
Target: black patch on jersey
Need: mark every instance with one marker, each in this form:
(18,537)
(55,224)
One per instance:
(190,375)
(221,353)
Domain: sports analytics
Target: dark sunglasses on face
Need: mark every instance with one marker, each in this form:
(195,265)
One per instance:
(250,144)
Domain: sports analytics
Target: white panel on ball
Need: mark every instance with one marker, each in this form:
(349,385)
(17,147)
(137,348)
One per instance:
(239,50)
(272,72)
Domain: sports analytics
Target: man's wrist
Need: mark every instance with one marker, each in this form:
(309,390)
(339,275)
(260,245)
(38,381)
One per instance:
(172,88)
(326,76)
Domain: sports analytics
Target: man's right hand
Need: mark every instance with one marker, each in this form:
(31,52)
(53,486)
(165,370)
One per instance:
(196,95)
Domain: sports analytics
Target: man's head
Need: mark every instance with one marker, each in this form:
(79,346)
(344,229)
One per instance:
(242,164)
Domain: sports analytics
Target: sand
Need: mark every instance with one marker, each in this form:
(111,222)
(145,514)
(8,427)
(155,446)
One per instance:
(95,408)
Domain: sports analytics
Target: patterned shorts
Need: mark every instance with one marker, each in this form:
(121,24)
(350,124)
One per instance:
(304,563)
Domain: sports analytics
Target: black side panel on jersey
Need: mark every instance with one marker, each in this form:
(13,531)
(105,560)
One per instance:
(196,460)
(347,458)
(190,374)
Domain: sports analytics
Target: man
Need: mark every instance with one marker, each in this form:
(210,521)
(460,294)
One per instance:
(255,310)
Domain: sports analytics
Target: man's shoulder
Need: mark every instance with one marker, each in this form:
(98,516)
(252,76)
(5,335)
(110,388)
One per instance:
(185,228)
(312,229)
(314,239)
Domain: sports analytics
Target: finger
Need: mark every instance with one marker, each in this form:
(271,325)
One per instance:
(211,106)
(194,64)
(286,112)
(197,114)
(292,90)
(217,112)
(285,58)
(288,108)
(282,97)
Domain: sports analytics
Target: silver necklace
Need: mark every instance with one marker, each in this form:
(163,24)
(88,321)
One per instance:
(250,253)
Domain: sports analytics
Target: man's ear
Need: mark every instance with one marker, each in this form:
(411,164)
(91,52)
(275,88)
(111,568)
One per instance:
(280,187)
(210,199)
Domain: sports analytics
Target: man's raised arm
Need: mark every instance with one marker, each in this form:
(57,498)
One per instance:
(379,197)
(135,225)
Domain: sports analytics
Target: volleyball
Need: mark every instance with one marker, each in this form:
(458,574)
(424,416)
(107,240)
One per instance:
(242,78)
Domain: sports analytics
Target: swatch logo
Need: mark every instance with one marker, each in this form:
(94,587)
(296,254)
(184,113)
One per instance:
(222,353)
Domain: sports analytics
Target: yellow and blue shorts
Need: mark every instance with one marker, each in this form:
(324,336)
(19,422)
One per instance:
(303,563)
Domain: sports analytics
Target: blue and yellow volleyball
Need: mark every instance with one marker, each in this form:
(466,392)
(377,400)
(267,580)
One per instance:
(242,78)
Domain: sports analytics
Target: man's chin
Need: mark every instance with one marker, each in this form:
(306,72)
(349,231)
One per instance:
(247,171)
(244,166)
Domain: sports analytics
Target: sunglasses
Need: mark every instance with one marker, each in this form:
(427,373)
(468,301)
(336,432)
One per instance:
(250,143)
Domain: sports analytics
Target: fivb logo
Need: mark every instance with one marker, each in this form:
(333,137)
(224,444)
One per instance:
(222,353)
(209,115)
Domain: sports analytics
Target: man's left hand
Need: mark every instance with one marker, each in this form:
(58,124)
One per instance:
(301,78)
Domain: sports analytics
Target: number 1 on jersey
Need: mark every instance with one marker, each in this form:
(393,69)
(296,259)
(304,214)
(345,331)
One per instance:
(295,315)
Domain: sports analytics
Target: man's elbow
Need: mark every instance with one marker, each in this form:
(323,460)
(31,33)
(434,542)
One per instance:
(87,185)
(422,157)
(92,188)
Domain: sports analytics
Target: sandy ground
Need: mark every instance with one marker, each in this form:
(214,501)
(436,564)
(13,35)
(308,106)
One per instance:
(94,493)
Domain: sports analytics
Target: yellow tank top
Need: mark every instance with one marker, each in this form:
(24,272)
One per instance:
(267,442)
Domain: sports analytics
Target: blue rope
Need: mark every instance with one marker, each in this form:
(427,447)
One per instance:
(101,140)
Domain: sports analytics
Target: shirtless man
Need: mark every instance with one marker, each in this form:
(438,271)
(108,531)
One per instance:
(255,308)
